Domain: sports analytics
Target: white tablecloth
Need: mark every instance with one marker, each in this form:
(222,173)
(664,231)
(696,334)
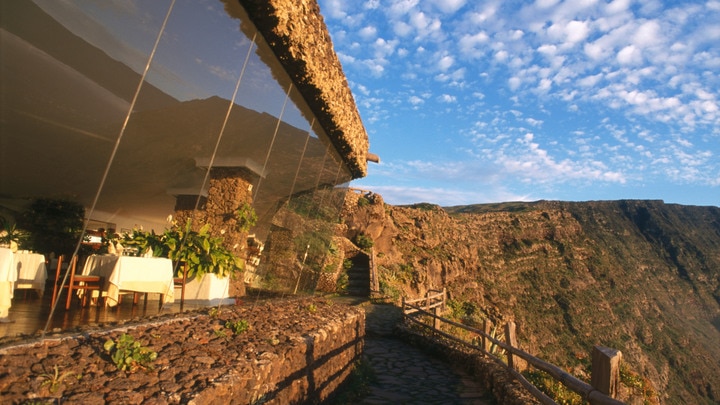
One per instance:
(129,273)
(31,271)
(8,275)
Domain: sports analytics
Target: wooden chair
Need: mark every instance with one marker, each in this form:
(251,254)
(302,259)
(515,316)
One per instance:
(76,282)
(180,282)
(58,279)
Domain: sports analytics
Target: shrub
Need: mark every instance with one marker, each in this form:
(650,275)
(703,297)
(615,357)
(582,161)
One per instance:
(129,355)
(238,326)
(364,242)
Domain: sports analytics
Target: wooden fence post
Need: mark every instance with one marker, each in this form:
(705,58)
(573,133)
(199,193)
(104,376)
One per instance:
(514,362)
(511,340)
(436,320)
(605,375)
(487,325)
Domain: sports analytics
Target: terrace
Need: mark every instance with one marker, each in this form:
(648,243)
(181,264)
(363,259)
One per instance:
(196,112)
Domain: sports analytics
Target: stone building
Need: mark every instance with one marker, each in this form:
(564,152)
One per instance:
(190,109)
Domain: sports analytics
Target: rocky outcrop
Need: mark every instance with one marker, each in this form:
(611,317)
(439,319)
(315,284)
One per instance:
(638,276)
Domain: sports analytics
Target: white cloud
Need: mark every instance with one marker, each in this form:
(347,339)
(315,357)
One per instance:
(545,3)
(648,34)
(501,55)
(447,98)
(649,68)
(577,31)
(449,6)
(368,32)
(401,7)
(618,6)
(445,62)
(415,100)
(402,28)
(334,9)
(630,55)
(473,45)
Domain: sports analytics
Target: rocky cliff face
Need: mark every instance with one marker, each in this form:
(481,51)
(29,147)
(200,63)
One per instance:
(642,277)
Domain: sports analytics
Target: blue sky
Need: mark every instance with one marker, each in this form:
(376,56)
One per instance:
(470,101)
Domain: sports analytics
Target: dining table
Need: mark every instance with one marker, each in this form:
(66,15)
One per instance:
(132,274)
(8,275)
(31,271)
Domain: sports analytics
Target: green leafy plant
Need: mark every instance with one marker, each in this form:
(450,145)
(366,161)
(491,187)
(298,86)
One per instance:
(129,354)
(312,308)
(53,380)
(238,326)
(144,241)
(220,333)
(202,252)
(364,242)
(246,217)
(10,233)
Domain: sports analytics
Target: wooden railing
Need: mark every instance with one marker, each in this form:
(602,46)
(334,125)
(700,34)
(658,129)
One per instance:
(374,282)
(605,361)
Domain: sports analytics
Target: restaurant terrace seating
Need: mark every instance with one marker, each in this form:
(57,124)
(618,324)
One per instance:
(76,282)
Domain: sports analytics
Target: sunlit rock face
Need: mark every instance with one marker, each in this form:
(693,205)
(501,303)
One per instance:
(638,276)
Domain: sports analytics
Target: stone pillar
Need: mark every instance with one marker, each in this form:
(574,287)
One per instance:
(229,189)
(185,209)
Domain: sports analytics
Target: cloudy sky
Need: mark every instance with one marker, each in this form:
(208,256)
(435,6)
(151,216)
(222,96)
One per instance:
(469,101)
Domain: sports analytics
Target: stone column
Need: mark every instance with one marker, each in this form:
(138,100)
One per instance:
(185,209)
(229,189)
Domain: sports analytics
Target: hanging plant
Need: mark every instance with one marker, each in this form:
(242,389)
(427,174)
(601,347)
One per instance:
(246,217)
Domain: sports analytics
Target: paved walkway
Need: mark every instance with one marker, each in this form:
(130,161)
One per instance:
(406,375)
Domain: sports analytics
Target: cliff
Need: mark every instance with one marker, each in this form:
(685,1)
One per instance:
(639,276)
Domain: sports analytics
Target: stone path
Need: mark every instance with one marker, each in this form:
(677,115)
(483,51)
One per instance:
(406,375)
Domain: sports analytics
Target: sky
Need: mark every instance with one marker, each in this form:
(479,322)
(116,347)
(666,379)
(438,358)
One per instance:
(469,101)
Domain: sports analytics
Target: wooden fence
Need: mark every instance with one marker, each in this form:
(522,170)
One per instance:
(605,374)
(374,281)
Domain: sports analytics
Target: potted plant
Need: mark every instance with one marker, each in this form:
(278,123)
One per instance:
(10,235)
(203,253)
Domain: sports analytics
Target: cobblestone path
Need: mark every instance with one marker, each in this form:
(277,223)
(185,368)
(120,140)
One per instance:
(406,375)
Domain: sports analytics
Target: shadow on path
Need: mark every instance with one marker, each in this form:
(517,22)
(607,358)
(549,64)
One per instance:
(403,374)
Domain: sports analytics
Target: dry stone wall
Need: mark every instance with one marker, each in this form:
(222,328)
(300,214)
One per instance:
(295,351)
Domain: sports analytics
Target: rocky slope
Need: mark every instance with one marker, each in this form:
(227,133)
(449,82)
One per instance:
(639,276)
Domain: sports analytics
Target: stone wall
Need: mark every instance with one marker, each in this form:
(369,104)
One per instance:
(294,351)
